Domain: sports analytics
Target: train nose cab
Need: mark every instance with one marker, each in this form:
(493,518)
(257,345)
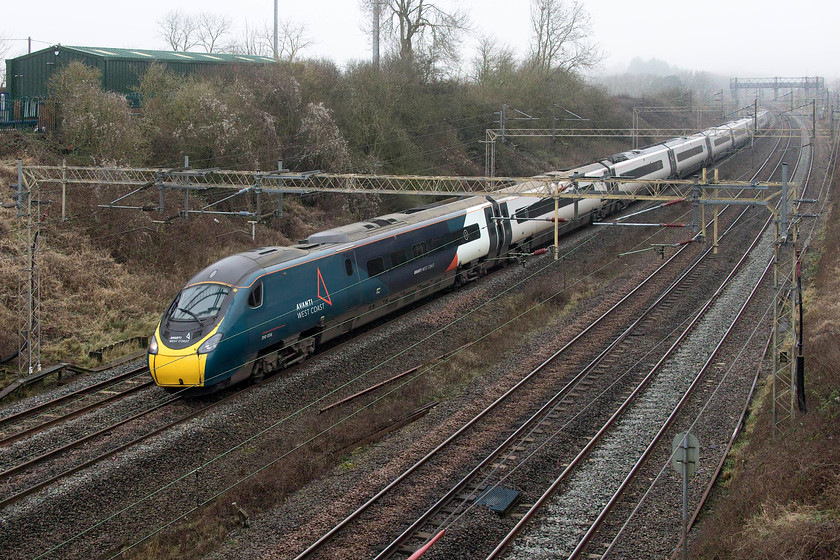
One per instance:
(187,334)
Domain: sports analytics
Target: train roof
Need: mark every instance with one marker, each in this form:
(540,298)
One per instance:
(236,269)
(383,224)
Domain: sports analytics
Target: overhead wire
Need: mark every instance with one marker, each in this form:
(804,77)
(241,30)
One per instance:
(312,404)
(281,421)
(454,517)
(827,180)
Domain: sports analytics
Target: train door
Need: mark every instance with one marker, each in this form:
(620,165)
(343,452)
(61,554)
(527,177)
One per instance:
(504,223)
(673,161)
(492,233)
(498,227)
(709,152)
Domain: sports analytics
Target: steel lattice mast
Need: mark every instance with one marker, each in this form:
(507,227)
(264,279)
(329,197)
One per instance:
(29,277)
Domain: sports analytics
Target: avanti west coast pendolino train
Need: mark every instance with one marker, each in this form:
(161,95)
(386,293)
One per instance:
(255,312)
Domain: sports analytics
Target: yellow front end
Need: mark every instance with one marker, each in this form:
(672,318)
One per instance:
(177,368)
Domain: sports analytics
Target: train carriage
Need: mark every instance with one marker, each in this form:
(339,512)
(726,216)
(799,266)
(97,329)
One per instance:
(261,310)
(690,154)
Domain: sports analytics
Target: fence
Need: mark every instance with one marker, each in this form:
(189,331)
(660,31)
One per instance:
(26,113)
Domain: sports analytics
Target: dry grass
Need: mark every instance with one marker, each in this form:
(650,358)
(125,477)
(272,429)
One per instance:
(780,497)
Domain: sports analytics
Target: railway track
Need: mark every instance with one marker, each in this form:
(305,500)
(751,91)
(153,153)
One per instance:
(17,475)
(474,488)
(651,493)
(635,496)
(689,250)
(599,536)
(583,504)
(66,407)
(530,435)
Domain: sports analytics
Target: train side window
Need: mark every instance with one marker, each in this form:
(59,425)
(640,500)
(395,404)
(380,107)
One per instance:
(399,256)
(255,298)
(375,266)
(419,249)
(348,266)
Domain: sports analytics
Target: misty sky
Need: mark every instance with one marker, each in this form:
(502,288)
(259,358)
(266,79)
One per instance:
(743,38)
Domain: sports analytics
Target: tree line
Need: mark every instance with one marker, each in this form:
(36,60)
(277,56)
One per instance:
(407,114)
(426,32)
(313,115)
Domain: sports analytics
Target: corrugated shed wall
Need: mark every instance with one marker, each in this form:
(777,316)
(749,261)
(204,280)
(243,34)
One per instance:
(28,75)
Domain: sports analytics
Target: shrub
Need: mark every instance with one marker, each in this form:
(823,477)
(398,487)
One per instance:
(96,123)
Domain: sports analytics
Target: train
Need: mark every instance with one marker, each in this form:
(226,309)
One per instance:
(256,312)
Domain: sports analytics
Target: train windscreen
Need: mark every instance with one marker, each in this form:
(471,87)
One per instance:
(198,303)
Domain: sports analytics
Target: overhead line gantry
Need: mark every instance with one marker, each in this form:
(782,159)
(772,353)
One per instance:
(702,191)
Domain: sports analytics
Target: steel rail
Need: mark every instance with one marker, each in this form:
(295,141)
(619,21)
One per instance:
(336,529)
(596,525)
(73,414)
(539,368)
(742,417)
(64,398)
(532,511)
(725,455)
(549,492)
(538,417)
(501,399)
(667,424)
(171,399)
(77,442)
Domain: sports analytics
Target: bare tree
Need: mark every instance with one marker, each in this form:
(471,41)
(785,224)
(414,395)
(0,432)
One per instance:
(253,41)
(5,45)
(420,29)
(179,30)
(292,39)
(561,39)
(210,28)
(493,63)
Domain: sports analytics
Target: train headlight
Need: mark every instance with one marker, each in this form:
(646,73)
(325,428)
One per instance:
(153,346)
(210,344)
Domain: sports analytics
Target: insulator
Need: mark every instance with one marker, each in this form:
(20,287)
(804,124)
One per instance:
(542,251)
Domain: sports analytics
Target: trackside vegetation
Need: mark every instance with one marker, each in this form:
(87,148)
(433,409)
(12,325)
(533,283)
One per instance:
(107,274)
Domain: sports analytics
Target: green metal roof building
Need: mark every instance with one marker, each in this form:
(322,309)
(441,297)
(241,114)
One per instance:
(27,75)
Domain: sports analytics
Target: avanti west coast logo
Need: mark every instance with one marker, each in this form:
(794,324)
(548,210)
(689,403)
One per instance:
(311,306)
